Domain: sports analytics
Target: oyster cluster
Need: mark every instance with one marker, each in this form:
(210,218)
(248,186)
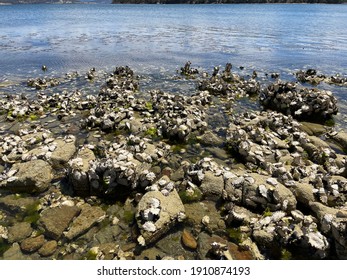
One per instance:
(300,102)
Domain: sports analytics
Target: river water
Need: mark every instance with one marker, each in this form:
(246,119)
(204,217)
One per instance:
(156,40)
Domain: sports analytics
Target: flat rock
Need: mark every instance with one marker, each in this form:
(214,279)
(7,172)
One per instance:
(32,244)
(212,186)
(55,220)
(63,153)
(89,216)
(313,128)
(15,203)
(171,207)
(48,248)
(31,177)
(19,231)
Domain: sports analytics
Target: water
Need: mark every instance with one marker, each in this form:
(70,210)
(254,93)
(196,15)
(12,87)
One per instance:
(269,37)
(156,40)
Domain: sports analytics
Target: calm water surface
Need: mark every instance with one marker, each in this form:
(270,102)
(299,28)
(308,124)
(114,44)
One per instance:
(269,37)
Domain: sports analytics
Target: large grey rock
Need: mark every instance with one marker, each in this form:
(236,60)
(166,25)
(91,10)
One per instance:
(63,153)
(212,186)
(89,216)
(55,220)
(31,177)
(171,210)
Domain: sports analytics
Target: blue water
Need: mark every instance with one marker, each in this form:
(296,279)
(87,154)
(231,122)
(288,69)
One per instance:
(152,38)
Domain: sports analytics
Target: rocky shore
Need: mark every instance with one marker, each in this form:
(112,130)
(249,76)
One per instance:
(127,174)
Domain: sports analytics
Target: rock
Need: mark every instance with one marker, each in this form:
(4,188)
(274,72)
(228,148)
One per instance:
(210,139)
(313,128)
(55,220)
(212,186)
(32,244)
(171,211)
(63,153)
(339,233)
(341,139)
(15,253)
(19,231)
(188,240)
(205,248)
(78,171)
(320,210)
(136,126)
(303,192)
(31,177)
(196,212)
(285,197)
(15,203)
(89,216)
(262,237)
(48,248)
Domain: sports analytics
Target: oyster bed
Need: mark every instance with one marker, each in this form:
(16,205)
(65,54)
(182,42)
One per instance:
(108,171)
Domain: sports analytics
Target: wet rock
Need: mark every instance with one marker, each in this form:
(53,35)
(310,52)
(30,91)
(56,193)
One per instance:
(15,253)
(15,203)
(167,211)
(32,244)
(215,247)
(188,240)
(30,177)
(196,212)
(56,220)
(48,248)
(212,186)
(19,231)
(89,216)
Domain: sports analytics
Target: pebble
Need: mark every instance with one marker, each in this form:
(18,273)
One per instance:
(188,240)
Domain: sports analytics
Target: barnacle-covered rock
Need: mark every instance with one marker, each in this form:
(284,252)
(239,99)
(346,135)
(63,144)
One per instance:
(157,213)
(302,103)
